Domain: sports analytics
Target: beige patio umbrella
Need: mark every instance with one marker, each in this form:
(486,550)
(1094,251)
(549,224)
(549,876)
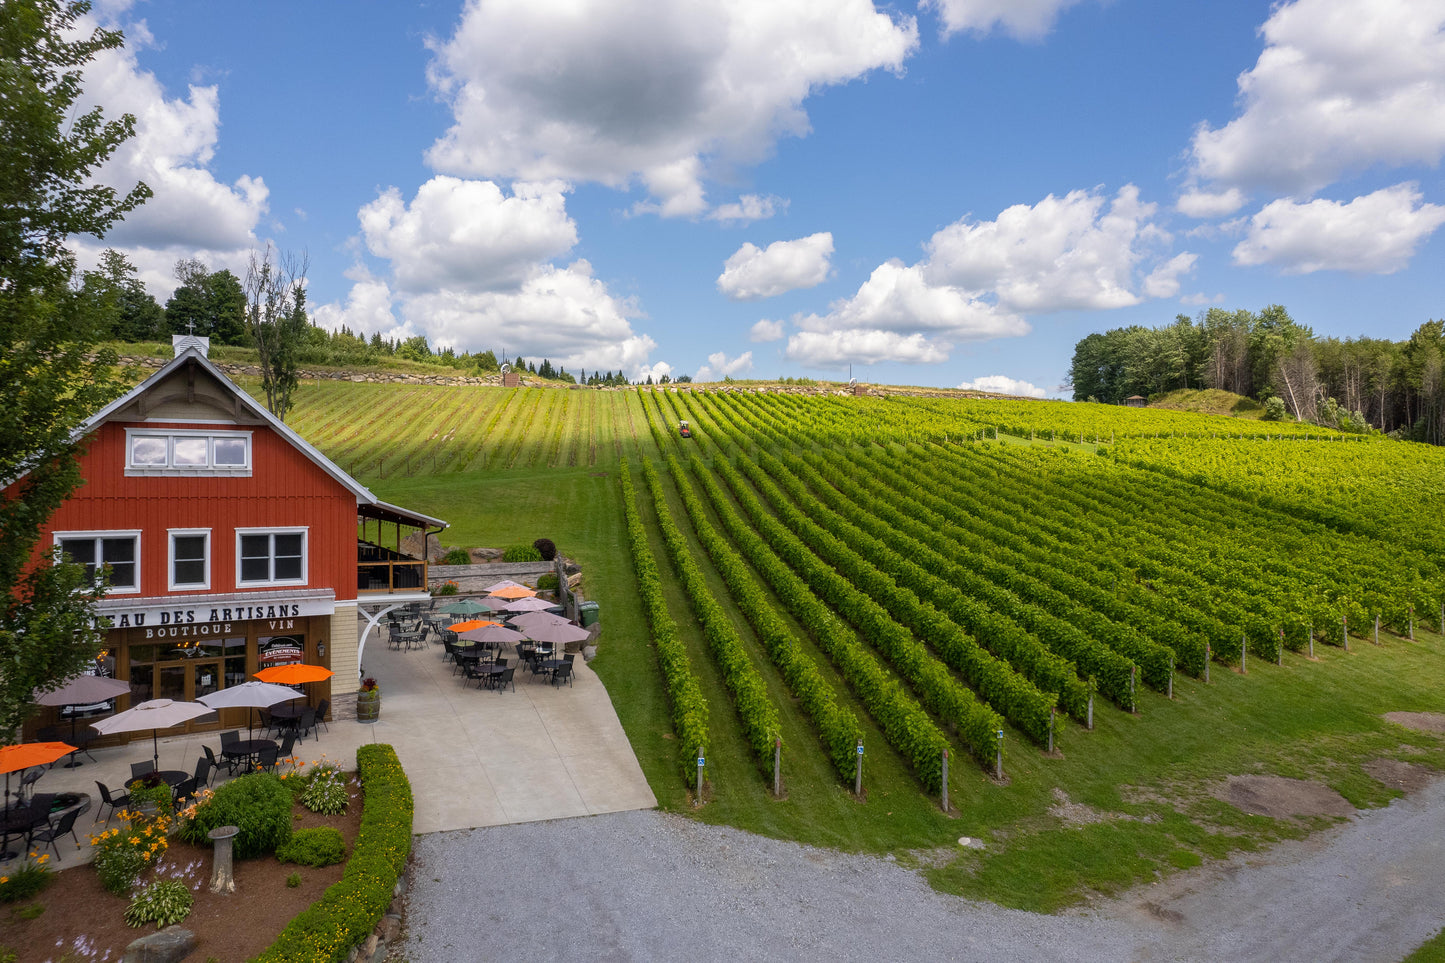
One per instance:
(529,604)
(525,622)
(154,715)
(505,583)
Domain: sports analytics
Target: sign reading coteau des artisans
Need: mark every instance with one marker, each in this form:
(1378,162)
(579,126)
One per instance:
(166,618)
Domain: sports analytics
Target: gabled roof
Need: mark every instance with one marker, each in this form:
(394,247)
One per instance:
(191,355)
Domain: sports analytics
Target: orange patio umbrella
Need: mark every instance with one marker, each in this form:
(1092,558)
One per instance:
(471,624)
(514,592)
(27,754)
(294,673)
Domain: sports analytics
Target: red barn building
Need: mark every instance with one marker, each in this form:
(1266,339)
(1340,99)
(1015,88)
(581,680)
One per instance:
(233,545)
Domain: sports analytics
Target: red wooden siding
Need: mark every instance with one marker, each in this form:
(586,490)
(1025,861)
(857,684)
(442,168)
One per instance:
(285,489)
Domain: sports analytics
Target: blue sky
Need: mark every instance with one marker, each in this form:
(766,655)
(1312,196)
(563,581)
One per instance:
(942,194)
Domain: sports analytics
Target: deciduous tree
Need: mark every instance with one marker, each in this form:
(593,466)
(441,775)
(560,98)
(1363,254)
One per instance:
(51,377)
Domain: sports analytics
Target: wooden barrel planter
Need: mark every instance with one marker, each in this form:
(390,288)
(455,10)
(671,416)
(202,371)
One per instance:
(368,705)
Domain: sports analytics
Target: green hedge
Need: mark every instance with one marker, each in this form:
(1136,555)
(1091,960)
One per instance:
(348,911)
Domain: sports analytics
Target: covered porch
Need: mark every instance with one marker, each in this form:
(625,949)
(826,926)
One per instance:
(382,566)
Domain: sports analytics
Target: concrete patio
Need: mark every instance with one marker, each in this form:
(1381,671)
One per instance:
(474,757)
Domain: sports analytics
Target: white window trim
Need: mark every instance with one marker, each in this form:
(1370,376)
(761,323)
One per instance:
(303,530)
(56,537)
(171,534)
(171,469)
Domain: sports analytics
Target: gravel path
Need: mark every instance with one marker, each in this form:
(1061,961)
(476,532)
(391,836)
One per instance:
(652,886)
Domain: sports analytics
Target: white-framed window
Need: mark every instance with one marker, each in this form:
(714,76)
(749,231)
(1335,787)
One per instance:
(190,558)
(118,550)
(271,556)
(187,451)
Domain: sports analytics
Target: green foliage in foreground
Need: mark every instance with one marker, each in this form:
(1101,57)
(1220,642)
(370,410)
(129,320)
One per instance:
(258,804)
(349,910)
(164,902)
(320,846)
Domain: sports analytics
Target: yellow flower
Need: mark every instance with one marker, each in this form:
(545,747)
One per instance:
(4,880)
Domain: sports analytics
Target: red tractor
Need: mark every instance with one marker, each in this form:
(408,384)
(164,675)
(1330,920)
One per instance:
(684,430)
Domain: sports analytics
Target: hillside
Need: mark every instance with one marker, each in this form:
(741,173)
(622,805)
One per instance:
(1209,401)
(1143,602)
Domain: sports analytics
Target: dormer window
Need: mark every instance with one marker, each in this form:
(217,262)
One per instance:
(187,452)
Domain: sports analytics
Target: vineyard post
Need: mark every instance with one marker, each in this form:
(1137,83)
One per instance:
(1243,649)
(1208,655)
(858,772)
(700,761)
(1051,729)
(1345,630)
(1377,628)
(945,780)
(1133,672)
(998,759)
(1090,724)
(778,768)
(1312,640)
(1170,693)
(1281,647)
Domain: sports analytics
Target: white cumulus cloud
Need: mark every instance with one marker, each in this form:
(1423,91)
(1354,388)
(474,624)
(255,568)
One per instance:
(752,272)
(1076,252)
(766,330)
(1083,251)
(1376,233)
(1340,86)
(720,366)
(614,90)
(1025,19)
(748,207)
(468,234)
(820,349)
(1204,204)
(1163,281)
(1004,385)
(192,214)
(471,267)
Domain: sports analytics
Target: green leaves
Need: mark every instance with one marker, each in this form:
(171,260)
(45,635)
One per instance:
(689,707)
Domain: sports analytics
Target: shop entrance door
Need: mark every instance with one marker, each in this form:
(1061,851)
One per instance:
(186,682)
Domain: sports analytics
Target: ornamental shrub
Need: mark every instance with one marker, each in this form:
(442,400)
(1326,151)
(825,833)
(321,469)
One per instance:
(325,793)
(322,846)
(457,556)
(522,553)
(546,547)
(258,804)
(446,588)
(547,583)
(30,878)
(122,853)
(164,902)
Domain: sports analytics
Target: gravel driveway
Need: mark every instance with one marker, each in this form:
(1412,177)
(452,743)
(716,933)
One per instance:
(653,886)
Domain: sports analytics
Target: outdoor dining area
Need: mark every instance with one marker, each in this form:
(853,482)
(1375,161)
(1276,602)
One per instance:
(280,718)
(509,631)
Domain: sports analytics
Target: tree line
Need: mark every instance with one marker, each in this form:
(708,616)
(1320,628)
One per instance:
(218,305)
(1353,384)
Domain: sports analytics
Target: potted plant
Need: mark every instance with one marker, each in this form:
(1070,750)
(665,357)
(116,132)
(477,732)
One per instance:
(368,701)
